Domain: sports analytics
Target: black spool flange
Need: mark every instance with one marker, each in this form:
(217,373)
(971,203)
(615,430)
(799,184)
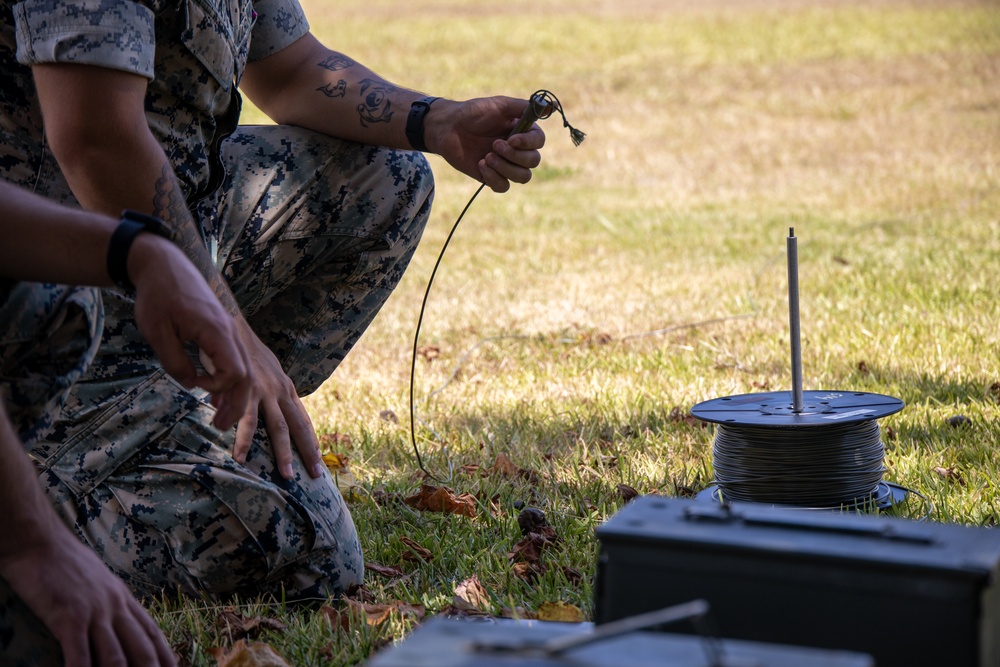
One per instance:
(775,410)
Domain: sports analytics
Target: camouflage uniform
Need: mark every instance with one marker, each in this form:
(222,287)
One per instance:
(48,336)
(312,234)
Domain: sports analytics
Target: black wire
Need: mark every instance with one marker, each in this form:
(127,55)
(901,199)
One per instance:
(416,334)
(827,466)
(542,111)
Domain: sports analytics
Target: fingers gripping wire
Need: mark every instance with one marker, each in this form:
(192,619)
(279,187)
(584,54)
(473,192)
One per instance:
(542,104)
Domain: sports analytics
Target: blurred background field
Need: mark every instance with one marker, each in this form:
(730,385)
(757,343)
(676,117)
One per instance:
(575,320)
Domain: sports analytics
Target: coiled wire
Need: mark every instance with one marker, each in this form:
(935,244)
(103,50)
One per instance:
(813,466)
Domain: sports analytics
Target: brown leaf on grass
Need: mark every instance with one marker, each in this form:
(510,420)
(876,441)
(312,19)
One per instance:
(505,467)
(371,614)
(416,551)
(245,654)
(360,593)
(950,474)
(470,594)
(627,493)
(573,576)
(442,499)
(520,613)
(384,570)
(451,611)
(241,627)
(337,465)
(529,548)
(529,571)
(680,416)
(335,441)
(429,352)
(470,469)
(559,611)
(338,618)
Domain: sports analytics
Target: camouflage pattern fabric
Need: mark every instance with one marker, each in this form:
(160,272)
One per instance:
(48,337)
(311,232)
(312,247)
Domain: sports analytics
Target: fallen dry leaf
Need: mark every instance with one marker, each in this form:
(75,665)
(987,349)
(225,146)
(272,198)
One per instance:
(529,571)
(360,593)
(416,551)
(470,595)
(384,570)
(442,499)
(244,654)
(518,613)
(372,614)
(451,611)
(335,441)
(950,474)
(505,467)
(573,576)
(241,627)
(529,548)
(342,475)
(681,416)
(338,618)
(429,352)
(559,611)
(470,469)
(627,493)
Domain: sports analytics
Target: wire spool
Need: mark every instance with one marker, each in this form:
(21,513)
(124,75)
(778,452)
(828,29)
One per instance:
(829,454)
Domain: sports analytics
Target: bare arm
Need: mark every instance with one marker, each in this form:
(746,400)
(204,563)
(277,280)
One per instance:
(309,85)
(45,242)
(95,120)
(88,610)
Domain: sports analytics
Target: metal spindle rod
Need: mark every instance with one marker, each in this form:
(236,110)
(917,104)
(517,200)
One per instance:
(793,320)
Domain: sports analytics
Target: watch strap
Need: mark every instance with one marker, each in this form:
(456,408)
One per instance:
(415,122)
(132,224)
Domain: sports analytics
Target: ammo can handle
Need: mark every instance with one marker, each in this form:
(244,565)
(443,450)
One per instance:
(725,515)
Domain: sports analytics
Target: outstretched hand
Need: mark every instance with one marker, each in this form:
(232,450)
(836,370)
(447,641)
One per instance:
(473,137)
(88,609)
(274,399)
(173,306)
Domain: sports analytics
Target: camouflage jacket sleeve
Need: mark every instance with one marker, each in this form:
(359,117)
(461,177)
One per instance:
(116,34)
(279,23)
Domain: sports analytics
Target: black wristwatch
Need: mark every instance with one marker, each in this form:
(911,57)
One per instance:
(415,122)
(132,224)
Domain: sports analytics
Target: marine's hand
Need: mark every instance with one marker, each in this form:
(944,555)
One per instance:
(472,137)
(87,608)
(174,305)
(274,399)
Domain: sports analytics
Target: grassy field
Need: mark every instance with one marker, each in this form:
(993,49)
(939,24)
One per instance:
(576,320)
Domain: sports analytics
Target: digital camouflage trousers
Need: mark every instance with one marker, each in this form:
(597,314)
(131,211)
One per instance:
(312,234)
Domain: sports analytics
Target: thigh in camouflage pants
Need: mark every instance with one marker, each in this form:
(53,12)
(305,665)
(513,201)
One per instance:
(312,234)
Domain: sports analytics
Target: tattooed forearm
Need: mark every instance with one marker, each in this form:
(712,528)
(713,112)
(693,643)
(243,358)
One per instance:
(375,107)
(335,62)
(169,205)
(330,90)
